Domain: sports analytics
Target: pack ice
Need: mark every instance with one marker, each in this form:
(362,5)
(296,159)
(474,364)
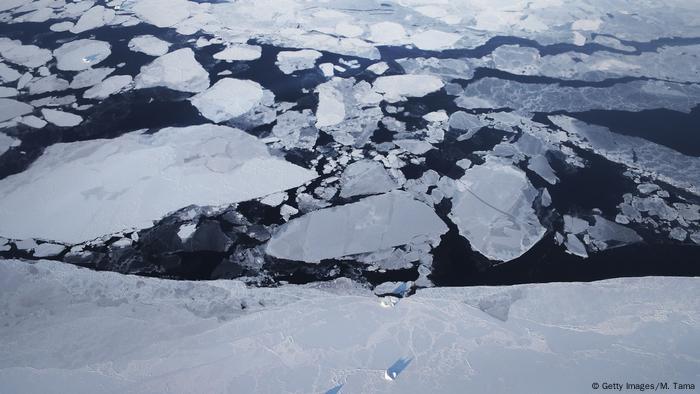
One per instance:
(141,177)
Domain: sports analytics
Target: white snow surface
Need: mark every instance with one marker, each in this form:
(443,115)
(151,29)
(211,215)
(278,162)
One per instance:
(494,211)
(131,334)
(141,178)
(240,52)
(373,223)
(228,98)
(81,54)
(108,87)
(150,45)
(291,61)
(398,87)
(61,118)
(177,70)
(10,108)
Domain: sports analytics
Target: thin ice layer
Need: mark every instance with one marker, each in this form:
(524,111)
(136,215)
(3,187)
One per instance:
(371,224)
(494,211)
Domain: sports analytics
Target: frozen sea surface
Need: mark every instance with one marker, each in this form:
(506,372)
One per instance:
(143,335)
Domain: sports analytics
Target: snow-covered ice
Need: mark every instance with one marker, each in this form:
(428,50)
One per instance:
(10,108)
(219,103)
(150,45)
(93,18)
(30,56)
(108,87)
(291,61)
(142,177)
(81,54)
(240,52)
(177,70)
(398,87)
(183,337)
(373,223)
(61,118)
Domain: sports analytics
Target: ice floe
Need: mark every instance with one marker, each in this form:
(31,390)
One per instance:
(90,77)
(493,210)
(7,142)
(30,56)
(61,118)
(398,87)
(373,223)
(291,61)
(219,104)
(177,70)
(162,13)
(81,54)
(365,177)
(108,87)
(434,40)
(150,45)
(175,167)
(240,52)
(93,18)
(10,108)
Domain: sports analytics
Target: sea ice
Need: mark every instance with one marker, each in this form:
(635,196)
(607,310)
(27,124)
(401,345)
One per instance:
(374,223)
(433,40)
(30,56)
(494,211)
(61,118)
(90,77)
(365,177)
(175,167)
(108,87)
(10,109)
(219,104)
(7,142)
(154,332)
(162,13)
(240,52)
(150,45)
(81,54)
(93,18)
(177,70)
(291,61)
(398,87)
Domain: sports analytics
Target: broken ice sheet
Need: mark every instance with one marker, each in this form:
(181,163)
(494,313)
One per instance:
(291,61)
(494,211)
(373,223)
(177,70)
(219,105)
(175,167)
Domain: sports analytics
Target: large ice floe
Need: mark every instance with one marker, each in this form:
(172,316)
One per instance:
(145,335)
(494,211)
(177,70)
(228,98)
(142,177)
(373,223)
